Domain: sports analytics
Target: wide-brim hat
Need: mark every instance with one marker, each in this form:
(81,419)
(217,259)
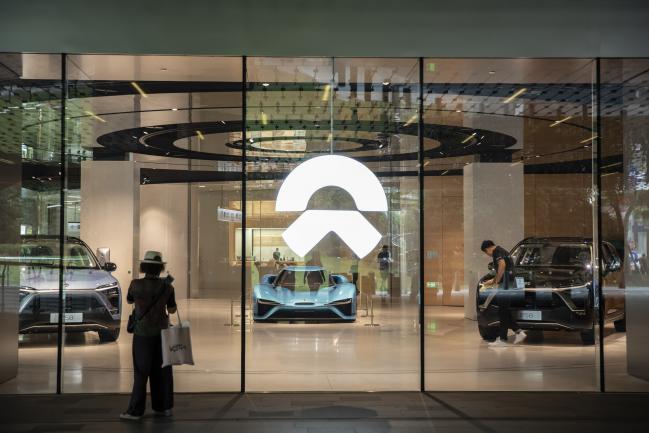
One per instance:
(154,257)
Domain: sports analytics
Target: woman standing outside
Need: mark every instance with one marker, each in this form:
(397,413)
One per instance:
(154,300)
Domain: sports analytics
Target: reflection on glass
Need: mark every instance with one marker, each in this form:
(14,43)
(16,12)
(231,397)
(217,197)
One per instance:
(508,159)
(625,221)
(332,162)
(30,153)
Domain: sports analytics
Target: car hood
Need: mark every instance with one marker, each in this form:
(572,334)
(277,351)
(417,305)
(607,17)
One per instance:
(285,296)
(74,279)
(554,276)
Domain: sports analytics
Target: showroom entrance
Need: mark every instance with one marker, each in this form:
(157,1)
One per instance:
(323,219)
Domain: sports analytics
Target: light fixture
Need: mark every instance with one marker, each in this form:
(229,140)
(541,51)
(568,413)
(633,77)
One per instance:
(386,83)
(516,94)
(265,84)
(94,116)
(139,89)
(469,137)
(458,111)
(174,109)
(492,72)
(412,119)
(201,186)
(163,69)
(264,118)
(560,121)
(588,139)
(200,135)
(325,92)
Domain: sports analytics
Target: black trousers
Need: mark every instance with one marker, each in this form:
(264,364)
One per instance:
(147,366)
(505,316)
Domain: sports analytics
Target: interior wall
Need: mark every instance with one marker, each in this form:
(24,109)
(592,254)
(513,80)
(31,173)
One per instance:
(110,213)
(164,227)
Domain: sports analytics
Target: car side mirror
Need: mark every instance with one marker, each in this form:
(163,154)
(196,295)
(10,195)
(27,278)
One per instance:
(110,267)
(103,256)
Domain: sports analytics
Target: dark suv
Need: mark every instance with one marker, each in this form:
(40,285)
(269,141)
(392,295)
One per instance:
(553,289)
(92,295)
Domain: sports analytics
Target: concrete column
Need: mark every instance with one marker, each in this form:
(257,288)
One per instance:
(493,209)
(110,213)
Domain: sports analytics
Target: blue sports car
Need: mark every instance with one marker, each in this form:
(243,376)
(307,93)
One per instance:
(304,293)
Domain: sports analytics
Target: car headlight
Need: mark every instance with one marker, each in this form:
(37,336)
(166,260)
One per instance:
(109,290)
(341,302)
(267,302)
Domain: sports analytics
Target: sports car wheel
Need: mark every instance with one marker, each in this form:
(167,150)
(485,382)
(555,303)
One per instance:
(588,337)
(620,325)
(488,333)
(108,336)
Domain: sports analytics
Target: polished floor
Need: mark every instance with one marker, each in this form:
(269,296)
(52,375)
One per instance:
(404,412)
(333,357)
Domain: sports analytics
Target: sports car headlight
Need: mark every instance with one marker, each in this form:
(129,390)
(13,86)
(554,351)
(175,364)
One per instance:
(341,302)
(267,302)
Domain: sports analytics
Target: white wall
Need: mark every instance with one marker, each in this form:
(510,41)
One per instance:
(110,213)
(164,227)
(493,209)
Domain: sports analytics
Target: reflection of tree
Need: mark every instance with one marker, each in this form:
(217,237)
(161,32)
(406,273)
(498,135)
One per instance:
(636,178)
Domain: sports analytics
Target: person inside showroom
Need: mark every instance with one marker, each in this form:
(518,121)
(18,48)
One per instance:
(504,278)
(153,298)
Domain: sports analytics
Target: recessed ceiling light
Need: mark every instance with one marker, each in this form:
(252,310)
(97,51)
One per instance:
(458,111)
(265,84)
(386,83)
(201,186)
(174,109)
(492,72)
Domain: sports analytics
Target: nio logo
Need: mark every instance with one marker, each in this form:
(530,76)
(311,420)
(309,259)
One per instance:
(313,225)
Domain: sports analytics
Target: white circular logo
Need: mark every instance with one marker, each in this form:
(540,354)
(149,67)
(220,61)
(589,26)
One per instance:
(313,225)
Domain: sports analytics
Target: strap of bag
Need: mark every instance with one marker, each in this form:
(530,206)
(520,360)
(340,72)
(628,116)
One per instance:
(163,289)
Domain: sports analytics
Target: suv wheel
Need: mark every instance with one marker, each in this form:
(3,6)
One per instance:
(588,337)
(488,333)
(108,336)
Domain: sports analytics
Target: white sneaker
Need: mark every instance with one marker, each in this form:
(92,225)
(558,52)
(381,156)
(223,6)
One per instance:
(520,337)
(498,343)
(127,416)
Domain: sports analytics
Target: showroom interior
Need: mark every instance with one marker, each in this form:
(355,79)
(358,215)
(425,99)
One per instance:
(189,155)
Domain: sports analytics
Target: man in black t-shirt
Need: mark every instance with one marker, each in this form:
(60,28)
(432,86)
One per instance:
(384,259)
(504,267)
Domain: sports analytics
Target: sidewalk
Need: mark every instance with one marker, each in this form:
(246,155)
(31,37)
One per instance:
(337,412)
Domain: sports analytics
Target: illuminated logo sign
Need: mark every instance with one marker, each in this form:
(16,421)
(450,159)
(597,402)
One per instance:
(313,225)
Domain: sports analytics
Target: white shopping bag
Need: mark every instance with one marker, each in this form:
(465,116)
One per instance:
(177,345)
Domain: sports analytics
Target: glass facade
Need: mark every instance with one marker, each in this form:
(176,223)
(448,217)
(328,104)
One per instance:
(323,220)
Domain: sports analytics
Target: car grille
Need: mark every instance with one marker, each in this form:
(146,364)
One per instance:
(78,302)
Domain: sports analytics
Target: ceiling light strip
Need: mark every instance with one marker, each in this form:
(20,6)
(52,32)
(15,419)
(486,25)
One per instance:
(139,89)
(560,121)
(518,93)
